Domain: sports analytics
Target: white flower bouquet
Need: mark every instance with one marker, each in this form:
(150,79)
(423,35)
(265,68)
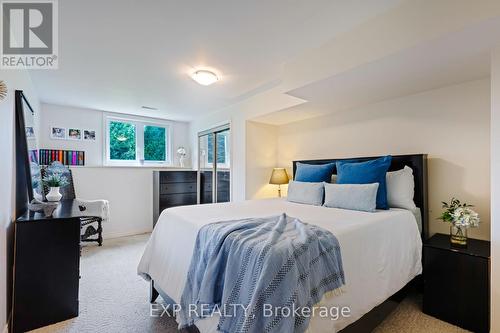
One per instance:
(465,217)
(461,216)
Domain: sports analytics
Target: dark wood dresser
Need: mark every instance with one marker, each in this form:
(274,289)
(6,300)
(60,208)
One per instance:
(46,268)
(223,186)
(173,188)
(457,282)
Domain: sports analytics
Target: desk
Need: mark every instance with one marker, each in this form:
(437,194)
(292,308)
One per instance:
(46,268)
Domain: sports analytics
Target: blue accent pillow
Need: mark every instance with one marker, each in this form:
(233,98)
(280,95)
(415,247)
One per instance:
(369,172)
(311,173)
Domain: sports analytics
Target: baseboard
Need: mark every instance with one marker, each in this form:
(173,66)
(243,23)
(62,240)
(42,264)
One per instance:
(111,235)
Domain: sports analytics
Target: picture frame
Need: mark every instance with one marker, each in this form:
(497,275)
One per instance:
(74,134)
(57,133)
(30,133)
(89,135)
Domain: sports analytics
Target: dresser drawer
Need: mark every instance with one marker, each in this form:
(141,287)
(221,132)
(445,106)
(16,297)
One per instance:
(206,197)
(223,196)
(223,185)
(176,188)
(171,200)
(178,177)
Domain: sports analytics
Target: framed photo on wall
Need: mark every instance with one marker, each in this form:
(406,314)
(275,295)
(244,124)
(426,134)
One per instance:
(57,133)
(30,133)
(89,135)
(74,134)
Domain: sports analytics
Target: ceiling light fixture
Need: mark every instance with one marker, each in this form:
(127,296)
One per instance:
(205,77)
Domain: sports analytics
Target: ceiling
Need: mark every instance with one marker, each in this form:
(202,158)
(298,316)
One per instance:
(120,55)
(455,58)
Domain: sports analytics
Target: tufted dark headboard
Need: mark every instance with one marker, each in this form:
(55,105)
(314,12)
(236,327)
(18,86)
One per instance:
(417,162)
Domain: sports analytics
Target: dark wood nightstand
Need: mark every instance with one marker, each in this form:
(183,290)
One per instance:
(457,282)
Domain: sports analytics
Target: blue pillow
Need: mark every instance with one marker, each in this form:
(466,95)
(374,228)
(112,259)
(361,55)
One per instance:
(369,172)
(311,173)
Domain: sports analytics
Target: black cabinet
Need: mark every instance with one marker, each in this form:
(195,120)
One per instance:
(223,186)
(46,268)
(457,282)
(173,188)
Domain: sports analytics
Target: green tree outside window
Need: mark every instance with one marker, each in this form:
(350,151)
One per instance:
(155,143)
(221,147)
(122,143)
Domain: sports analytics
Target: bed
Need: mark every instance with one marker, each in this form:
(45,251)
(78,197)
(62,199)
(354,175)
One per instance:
(381,251)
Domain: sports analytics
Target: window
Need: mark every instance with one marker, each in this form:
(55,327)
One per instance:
(122,143)
(136,141)
(222,147)
(206,144)
(155,143)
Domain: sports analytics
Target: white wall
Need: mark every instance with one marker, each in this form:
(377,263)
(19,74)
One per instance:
(450,124)
(128,189)
(495,190)
(64,116)
(15,79)
(130,195)
(372,41)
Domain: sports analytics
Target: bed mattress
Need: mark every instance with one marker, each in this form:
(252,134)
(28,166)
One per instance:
(381,251)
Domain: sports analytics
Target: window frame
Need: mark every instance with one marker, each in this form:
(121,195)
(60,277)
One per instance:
(140,123)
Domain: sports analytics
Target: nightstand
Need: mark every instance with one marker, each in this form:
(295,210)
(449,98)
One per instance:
(457,282)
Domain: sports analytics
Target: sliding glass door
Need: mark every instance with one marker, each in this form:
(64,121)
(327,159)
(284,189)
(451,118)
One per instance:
(214,166)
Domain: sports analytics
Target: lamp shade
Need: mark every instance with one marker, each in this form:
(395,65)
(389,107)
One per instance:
(279,177)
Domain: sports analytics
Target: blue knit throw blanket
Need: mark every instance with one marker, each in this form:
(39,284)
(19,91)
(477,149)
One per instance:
(244,270)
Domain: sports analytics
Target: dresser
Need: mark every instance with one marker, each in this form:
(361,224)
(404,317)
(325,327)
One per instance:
(457,282)
(173,188)
(46,268)
(223,186)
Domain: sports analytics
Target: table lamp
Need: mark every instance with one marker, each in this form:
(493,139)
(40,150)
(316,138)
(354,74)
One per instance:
(279,177)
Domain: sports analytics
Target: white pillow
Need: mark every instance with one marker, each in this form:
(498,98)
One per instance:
(401,188)
(305,193)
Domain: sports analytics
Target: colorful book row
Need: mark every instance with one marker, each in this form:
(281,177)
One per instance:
(66,157)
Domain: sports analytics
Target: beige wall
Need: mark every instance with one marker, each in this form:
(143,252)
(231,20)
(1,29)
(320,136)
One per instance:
(450,124)
(262,157)
(495,190)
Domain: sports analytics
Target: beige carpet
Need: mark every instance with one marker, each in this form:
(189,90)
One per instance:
(114,299)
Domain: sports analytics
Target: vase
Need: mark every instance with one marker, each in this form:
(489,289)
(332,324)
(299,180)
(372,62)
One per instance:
(181,161)
(54,195)
(458,236)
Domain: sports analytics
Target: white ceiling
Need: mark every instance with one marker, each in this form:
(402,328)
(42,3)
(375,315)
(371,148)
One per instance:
(457,57)
(118,55)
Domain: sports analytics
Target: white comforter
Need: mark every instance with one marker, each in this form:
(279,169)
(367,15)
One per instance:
(381,251)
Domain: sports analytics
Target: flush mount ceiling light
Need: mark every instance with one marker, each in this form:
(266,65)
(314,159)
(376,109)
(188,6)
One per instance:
(205,77)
